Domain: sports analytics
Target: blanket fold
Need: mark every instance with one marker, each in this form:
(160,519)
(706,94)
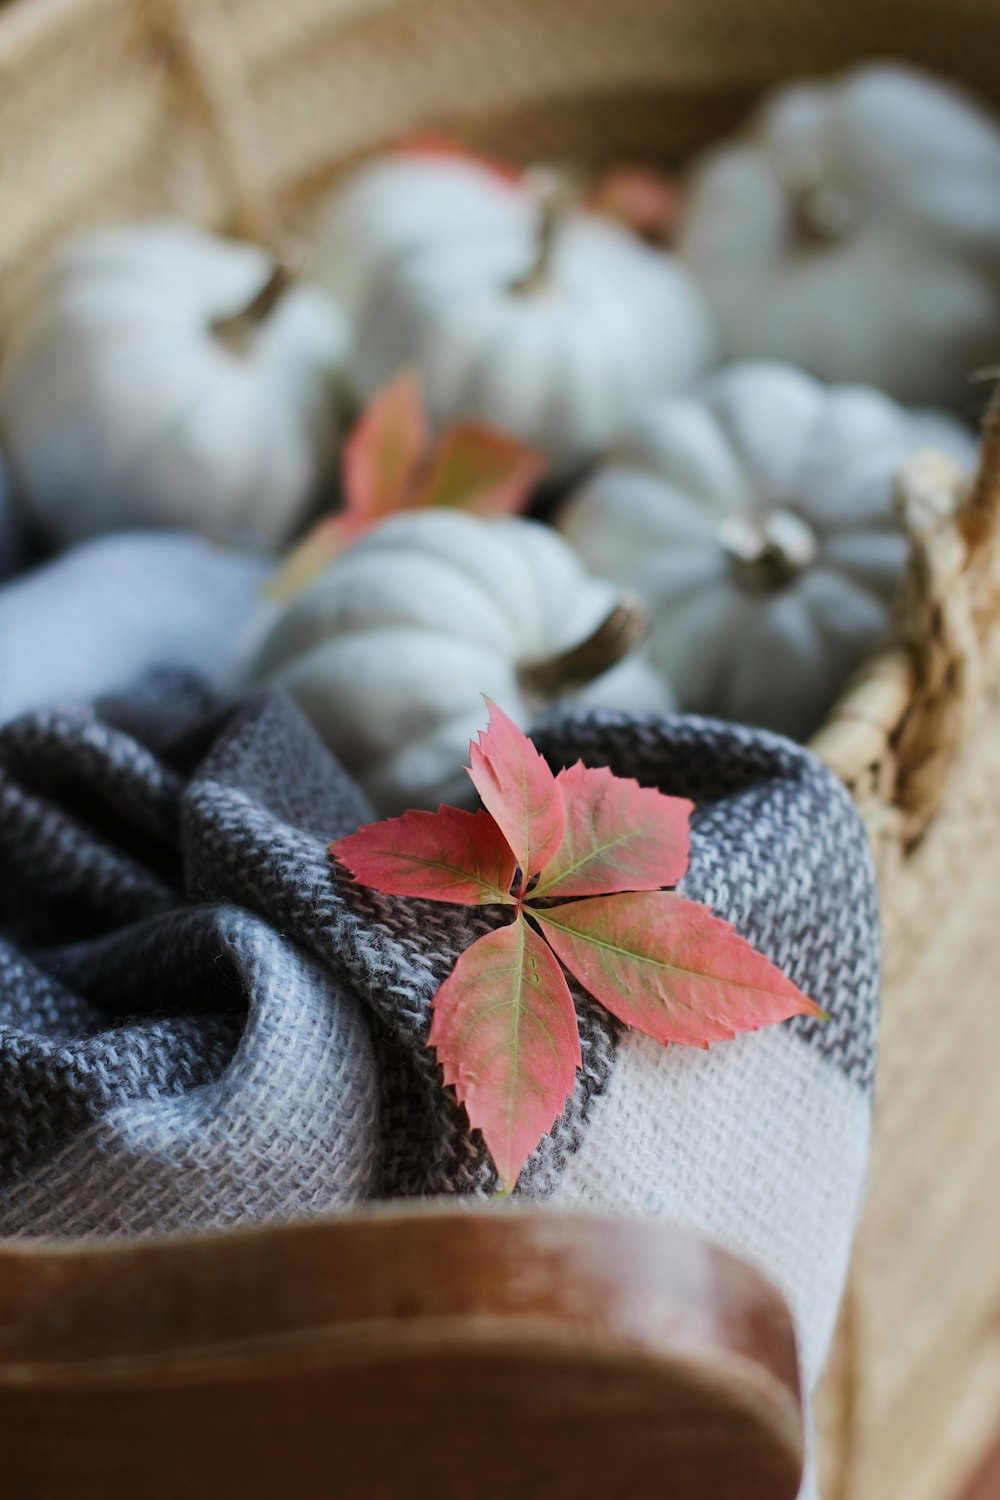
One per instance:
(204,1022)
(164,1062)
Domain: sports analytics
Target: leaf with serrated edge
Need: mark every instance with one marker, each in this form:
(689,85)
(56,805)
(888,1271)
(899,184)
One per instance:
(668,967)
(620,836)
(519,789)
(384,453)
(506,1036)
(448,855)
(481,470)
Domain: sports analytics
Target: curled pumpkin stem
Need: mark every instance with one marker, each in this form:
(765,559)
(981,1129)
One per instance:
(235,329)
(617,635)
(766,556)
(555,192)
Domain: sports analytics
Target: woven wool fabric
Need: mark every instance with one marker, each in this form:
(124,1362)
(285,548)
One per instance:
(202,1022)
(165,1063)
(762,1143)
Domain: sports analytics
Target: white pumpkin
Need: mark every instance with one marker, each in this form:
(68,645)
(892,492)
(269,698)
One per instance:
(553,326)
(855,231)
(398,204)
(390,651)
(127,398)
(755,519)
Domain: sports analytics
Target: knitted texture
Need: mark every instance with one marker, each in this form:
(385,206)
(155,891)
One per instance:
(202,1020)
(164,1064)
(100,835)
(760,1143)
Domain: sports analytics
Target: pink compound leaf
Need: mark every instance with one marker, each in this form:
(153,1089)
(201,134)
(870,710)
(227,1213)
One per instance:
(385,452)
(669,968)
(448,855)
(518,788)
(619,836)
(505,1031)
(481,470)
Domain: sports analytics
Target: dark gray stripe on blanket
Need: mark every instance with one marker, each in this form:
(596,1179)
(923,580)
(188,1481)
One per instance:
(776,848)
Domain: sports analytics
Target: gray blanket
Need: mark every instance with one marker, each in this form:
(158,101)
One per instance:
(202,1023)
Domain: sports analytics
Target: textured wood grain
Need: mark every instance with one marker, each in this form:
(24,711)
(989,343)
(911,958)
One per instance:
(397,1354)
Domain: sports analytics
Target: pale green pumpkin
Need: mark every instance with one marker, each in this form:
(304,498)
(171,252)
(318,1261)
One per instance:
(550,323)
(854,229)
(755,518)
(134,391)
(391,649)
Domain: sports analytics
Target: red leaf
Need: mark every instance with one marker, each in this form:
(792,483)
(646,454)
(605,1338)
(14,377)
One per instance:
(437,143)
(383,454)
(645,200)
(503,1023)
(448,855)
(620,836)
(479,469)
(669,968)
(519,789)
(506,1036)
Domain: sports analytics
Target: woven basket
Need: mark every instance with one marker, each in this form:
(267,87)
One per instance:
(240,113)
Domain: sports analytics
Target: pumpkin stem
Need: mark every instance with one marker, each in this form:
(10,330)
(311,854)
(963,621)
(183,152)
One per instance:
(554,194)
(822,215)
(235,329)
(765,556)
(618,634)
(822,210)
